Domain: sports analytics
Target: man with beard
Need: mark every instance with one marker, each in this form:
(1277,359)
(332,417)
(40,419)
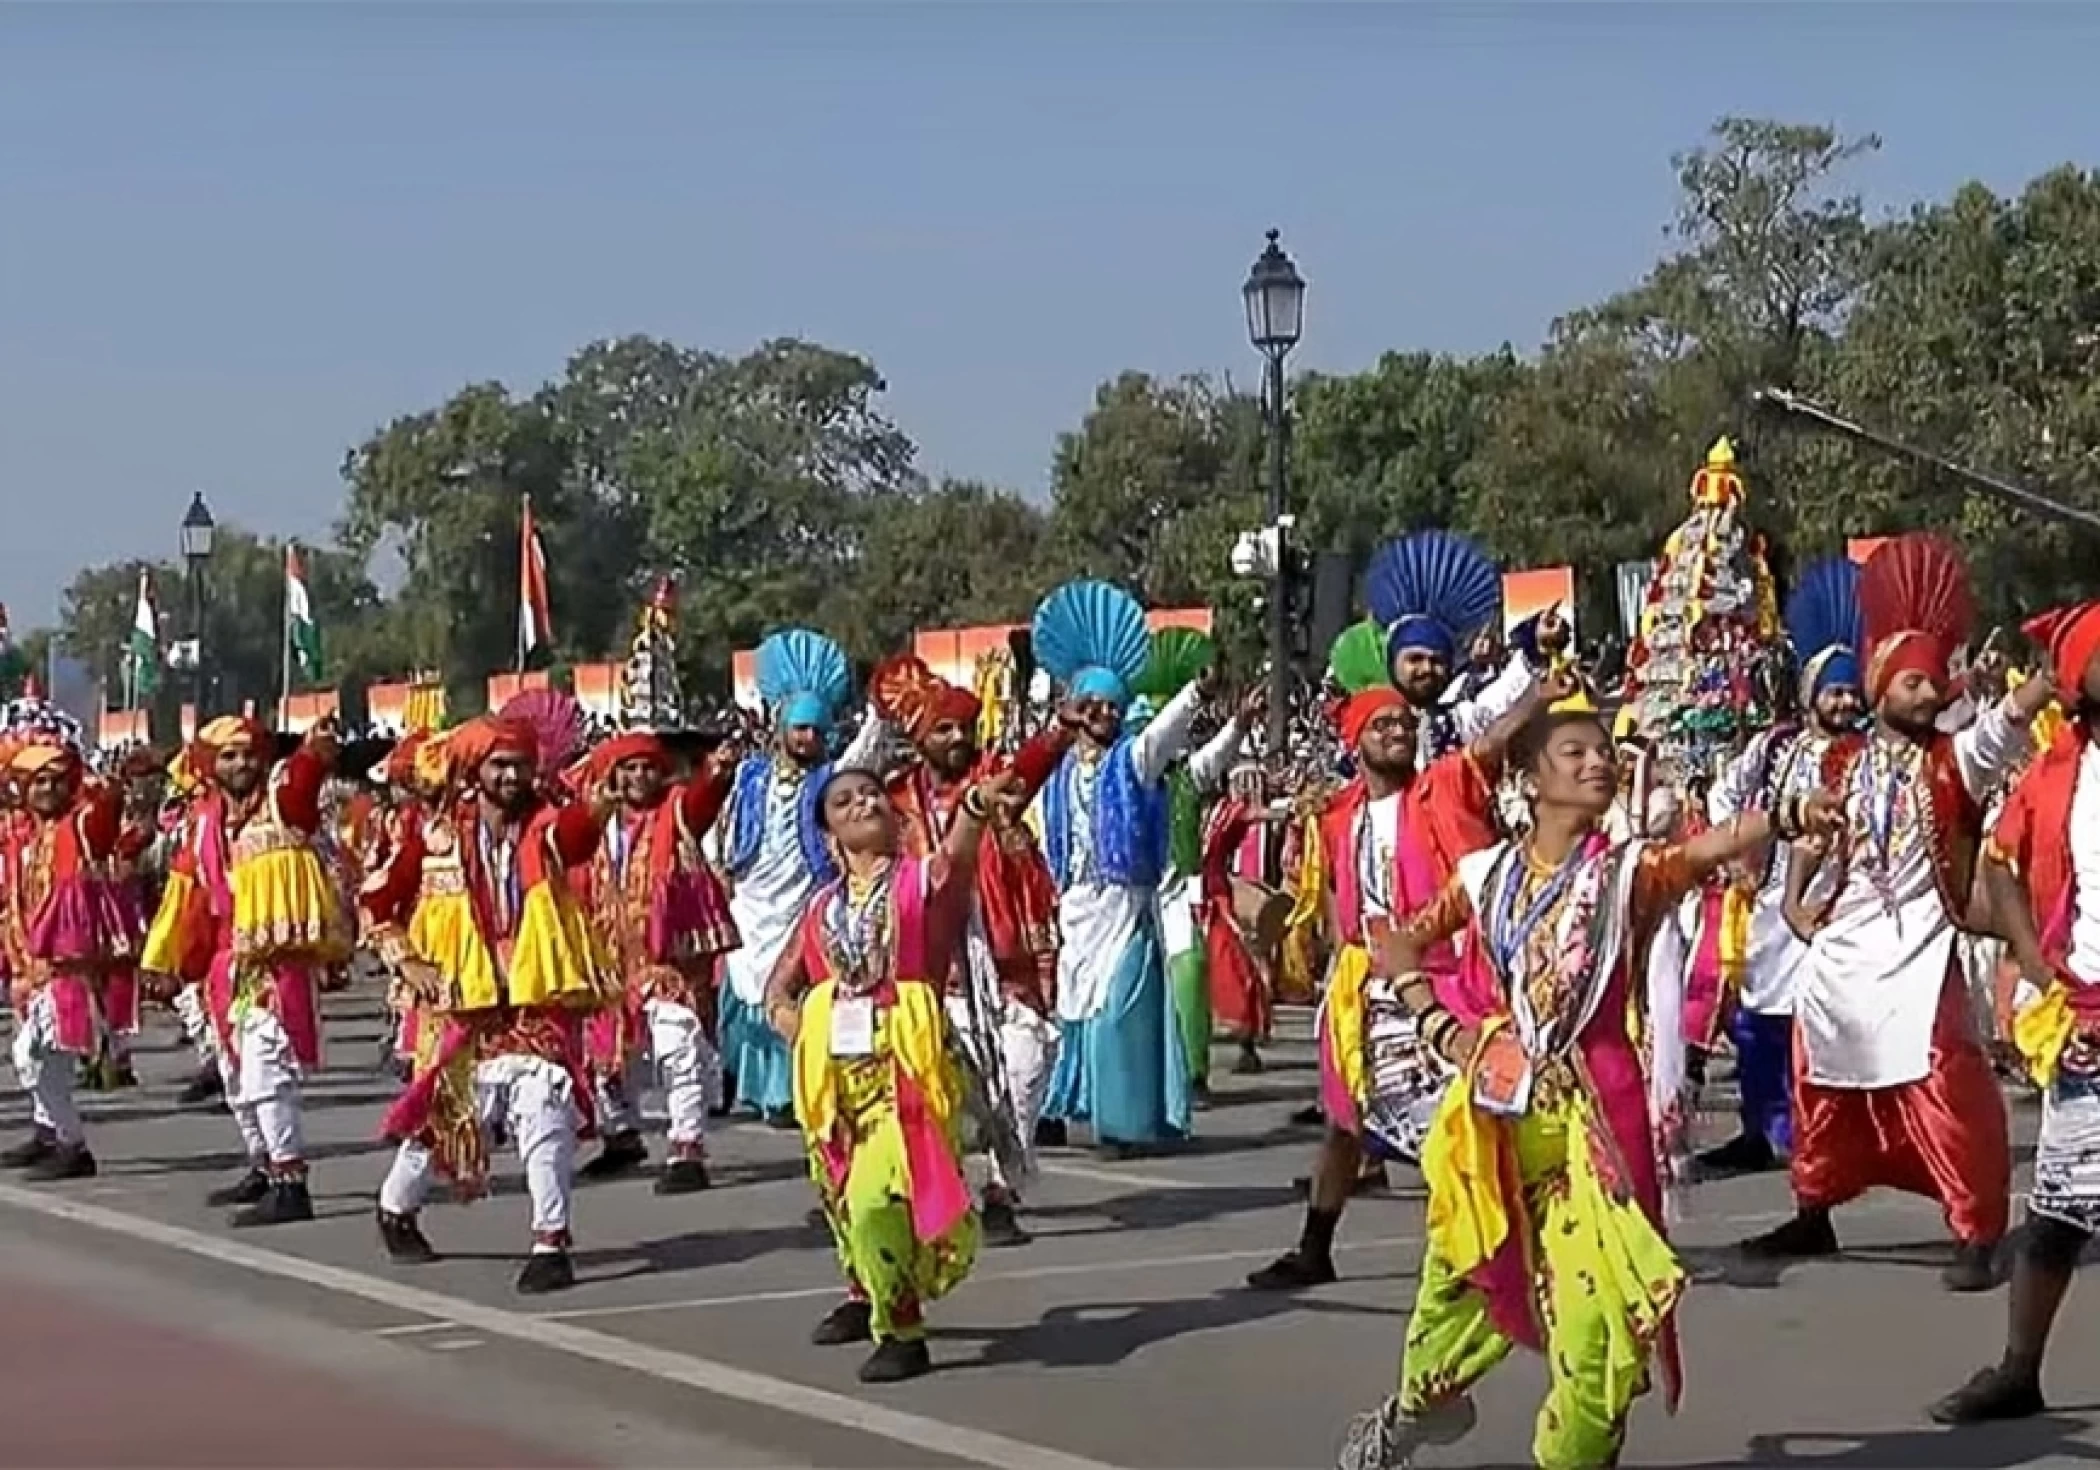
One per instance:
(1390,840)
(1822,620)
(478,915)
(252,911)
(1894,1088)
(64,927)
(1001,986)
(771,848)
(662,911)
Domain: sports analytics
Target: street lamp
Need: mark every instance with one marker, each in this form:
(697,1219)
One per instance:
(198,529)
(1275,300)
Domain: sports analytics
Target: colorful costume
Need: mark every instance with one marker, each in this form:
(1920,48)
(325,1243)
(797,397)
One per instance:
(253,914)
(1122,1067)
(1432,592)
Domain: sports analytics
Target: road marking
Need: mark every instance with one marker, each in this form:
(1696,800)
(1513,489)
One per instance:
(981,1278)
(976,1446)
(455,1344)
(1118,1176)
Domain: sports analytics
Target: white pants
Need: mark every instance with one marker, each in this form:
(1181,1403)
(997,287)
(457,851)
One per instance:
(526,1098)
(46,1073)
(262,1089)
(196,1023)
(687,1068)
(1026,1055)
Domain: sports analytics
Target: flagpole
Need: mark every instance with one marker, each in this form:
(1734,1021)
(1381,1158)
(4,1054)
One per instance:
(524,574)
(284,687)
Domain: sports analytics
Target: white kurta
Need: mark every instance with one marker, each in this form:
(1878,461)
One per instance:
(1772,965)
(1870,989)
(1179,892)
(1470,718)
(1098,922)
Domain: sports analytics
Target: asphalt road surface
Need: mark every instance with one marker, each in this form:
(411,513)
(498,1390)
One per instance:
(139,1331)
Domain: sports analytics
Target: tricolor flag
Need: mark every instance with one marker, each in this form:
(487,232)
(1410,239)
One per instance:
(142,651)
(302,636)
(535,628)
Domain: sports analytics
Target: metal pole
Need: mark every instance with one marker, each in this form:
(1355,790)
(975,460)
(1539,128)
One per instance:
(1280,591)
(199,683)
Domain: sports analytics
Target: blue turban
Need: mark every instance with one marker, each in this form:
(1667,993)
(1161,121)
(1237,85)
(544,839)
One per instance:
(1836,667)
(806,709)
(1099,683)
(1418,633)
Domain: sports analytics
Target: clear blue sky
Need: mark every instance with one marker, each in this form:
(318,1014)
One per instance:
(234,239)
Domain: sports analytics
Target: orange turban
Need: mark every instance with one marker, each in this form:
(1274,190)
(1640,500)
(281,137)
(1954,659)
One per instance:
(1908,652)
(2072,636)
(228,731)
(36,755)
(488,737)
(1359,709)
(621,749)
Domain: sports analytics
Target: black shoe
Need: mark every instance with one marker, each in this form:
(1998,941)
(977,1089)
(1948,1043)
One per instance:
(1050,1133)
(1746,1153)
(998,1225)
(246,1190)
(1248,1063)
(1974,1268)
(781,1118)
(286,1202)
(403,1238)
(202,1088)
(65,1161)
(546,1271)
(1294,1270)
(1993,1395)
(1311,1117)
(123,1075)
(1808,1236)
(32,1150)
(623,1153)
(894,1361)
(683,1176)
(849,1321)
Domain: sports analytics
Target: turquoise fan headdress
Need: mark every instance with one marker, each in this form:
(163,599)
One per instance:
(1433,591)
(1824,624)
(1092,639)
(803,678)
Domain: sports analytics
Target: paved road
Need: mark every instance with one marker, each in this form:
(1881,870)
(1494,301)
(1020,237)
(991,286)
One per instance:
(1120,1337)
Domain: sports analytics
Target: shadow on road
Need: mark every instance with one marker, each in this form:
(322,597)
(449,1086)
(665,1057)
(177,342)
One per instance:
(1097,1335)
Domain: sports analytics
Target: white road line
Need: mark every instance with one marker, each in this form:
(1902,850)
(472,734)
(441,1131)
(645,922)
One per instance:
(954,1441)
(981,1278)
(1118,1176)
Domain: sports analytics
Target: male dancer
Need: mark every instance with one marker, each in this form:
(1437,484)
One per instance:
(1894,1087)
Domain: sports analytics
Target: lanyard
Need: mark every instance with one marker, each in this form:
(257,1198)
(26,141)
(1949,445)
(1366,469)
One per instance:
(1507,936)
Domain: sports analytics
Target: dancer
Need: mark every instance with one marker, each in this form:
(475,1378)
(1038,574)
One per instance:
(1544,1160)
(253,914)
(477,914)
(1121,1066)
(1389,840)
(999,991)
(1434,592)
(772,851)
(877,1091)
(1822,620)
(1893,1086)
(66,926)
(2043,869)
(662,912)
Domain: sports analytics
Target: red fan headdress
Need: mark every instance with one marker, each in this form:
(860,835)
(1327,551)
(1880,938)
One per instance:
(1917,608)
(910,695)
(555,720)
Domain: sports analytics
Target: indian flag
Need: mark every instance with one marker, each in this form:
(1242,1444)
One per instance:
(302,636)
(142,650)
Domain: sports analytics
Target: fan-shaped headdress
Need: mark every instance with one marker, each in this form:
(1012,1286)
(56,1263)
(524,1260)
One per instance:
(2071,636)
(803,679)
(1917,608)
(555,720)
(913,697)
(1823,623)
(1091,638)
(1432,591)
(1177,659)
(1358,663)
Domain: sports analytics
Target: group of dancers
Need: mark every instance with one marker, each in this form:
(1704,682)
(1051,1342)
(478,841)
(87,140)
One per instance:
(924,952)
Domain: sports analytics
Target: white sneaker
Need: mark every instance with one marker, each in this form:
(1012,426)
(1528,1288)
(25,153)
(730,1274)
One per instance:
(1385,1439)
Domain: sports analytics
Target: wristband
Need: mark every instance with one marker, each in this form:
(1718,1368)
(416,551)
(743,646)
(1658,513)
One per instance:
(975,807)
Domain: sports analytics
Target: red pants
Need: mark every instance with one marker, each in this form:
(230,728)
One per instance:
(1944,1137)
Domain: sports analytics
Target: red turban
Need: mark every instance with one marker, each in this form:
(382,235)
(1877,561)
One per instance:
(948,702)
(908,693)
(1908,652)
(490,736)
(399,767)
(1360,709)
(2072,636)
(618,751)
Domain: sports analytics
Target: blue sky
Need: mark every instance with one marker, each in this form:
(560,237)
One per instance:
(234,239)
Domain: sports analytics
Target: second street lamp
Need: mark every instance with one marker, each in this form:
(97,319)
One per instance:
(198,532)
(1274,297)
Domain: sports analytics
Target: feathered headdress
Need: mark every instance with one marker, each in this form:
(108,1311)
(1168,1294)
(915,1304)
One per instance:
(803,678)
(914,698)
(1178,658)
(1091,638)
(1916,608)
(2070,636)
(1357,659)
(555,720)
(1432,591)
(1823,623)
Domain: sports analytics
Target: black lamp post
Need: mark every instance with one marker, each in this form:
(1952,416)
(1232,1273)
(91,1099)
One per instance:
(1275,300)
(198,529)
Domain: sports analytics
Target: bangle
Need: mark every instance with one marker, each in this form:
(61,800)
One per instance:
(974,805)
(1438,1027)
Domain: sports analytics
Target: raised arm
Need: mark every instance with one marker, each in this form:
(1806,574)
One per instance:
(1153,748)
(1987,749)
(865,750)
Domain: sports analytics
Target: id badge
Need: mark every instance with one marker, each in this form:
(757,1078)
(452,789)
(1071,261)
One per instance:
(1502,1078)
(853,1027)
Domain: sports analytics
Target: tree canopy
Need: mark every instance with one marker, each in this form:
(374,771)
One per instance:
(776,489)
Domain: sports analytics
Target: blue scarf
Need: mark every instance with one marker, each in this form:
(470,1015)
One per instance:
(1130,823)
(747,818)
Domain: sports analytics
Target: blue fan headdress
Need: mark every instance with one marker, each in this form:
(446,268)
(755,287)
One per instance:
(803,678)
(1092,638)
(1432,591)
(1824,623)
